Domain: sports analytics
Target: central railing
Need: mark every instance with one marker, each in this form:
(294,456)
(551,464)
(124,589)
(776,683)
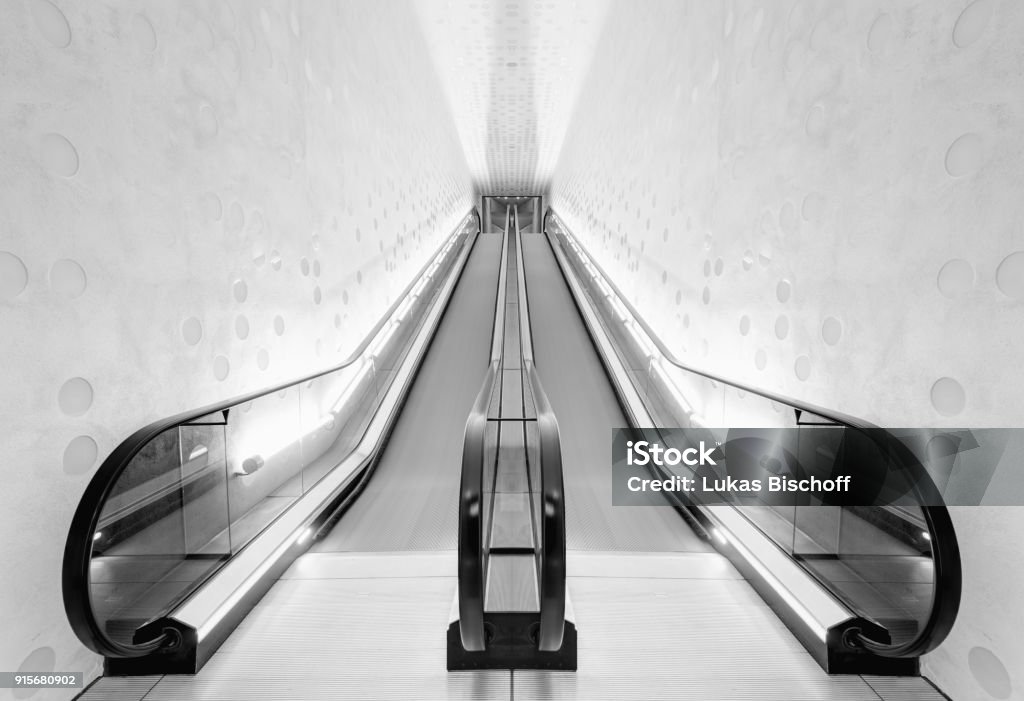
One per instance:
(530,632)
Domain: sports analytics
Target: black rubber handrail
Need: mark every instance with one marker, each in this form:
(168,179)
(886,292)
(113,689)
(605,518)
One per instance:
(948,575)
(471,520)
(553,539)
(552,517)
(471,486)
(75,579)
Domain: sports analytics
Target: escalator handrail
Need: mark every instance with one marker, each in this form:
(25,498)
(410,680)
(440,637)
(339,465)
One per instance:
(471,487)
(471,520)
(948,575)
(552,562)
(75,576)
(553,538)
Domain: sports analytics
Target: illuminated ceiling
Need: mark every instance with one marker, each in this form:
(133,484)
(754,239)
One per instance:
(511,73)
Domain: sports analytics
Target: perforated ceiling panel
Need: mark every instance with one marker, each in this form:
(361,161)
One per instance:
(511,72)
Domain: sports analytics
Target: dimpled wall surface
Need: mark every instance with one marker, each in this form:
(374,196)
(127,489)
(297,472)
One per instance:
(822,199)
(197,199)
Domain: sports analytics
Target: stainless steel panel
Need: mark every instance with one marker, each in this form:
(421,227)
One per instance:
(511,583)
(512,524)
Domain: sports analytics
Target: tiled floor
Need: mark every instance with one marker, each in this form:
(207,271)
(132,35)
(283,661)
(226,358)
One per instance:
(679,626)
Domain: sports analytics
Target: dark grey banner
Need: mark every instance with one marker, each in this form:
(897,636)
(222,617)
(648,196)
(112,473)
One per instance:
(818,464)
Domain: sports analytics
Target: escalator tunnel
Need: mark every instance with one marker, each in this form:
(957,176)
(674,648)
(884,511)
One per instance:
(313,537)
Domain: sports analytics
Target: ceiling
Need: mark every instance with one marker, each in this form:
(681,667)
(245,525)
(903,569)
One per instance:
(511,73)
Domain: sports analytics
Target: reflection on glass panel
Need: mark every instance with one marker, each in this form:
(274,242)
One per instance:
(877,559)
(264,462)
(163,529)
(336,409)
(199,492)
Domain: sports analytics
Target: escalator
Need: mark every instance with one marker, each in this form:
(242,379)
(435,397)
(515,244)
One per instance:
(321,533)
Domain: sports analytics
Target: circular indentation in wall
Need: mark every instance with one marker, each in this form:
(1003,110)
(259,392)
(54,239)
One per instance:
(1010,275)
(956,278)
(784,290)
(192,330)
(241,327)
(51,23)
(802,368)
(67,278)
(815,123)
(240,290)
(971,23)
(221,368)
(317,295)
(359,277)
(940,449)
(744,325)
(965,155)
(760,359)
(948,396)
(210,206)
(706,296)
(275,260)
(881,34)
(782,327)
(262,359)
(206,121)
(42,660)
(58,155)
(80,455)
(144,34)
(344,296)
(13,276)
(813,208)
(990,673)
(304,266)
(748,259)
(719,266)
(831,330)
(75,396)
(279,325)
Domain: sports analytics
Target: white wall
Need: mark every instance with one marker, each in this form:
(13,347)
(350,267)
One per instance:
(175,177)
(823,199)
